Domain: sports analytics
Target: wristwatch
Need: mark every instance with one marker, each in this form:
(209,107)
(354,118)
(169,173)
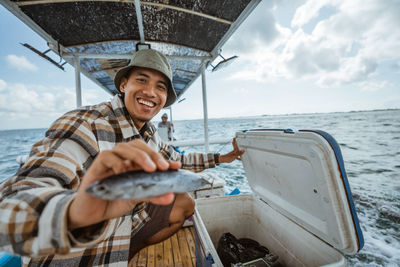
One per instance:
(216,158)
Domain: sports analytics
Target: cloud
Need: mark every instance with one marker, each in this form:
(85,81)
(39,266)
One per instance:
(92,96)
(352,70)
(32,105)
(241,90)
(307,12)
(32,100)
(21,63)
(373,86)
(3,85)
(344,47)
(304,55)
(263,30)
(395,65)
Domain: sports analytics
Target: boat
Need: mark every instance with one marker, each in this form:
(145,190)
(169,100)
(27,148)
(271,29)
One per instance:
(99,37)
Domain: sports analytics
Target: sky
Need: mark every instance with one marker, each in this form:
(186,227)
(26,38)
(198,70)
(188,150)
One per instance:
(293,57)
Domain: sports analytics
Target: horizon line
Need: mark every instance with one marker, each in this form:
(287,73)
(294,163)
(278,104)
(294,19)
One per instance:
(251,116)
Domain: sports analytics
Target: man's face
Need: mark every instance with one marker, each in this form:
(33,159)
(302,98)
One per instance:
(164,119)
(145,94)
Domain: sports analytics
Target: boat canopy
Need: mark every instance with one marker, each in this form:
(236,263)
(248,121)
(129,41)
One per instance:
(99,37)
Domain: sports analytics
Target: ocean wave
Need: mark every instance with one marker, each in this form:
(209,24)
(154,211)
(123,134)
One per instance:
(348,146)
(372,171)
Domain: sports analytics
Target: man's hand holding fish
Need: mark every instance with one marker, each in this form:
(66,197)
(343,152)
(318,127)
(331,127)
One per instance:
(86,209)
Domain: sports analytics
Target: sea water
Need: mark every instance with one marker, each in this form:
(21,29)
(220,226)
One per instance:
(370,144)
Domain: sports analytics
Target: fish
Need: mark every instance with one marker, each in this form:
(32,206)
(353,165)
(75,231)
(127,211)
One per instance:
(141,184)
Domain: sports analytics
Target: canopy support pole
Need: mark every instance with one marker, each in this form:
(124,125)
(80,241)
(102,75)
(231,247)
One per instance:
(170,113)
(172,129)
(205,111)
(139,20)
(78,82)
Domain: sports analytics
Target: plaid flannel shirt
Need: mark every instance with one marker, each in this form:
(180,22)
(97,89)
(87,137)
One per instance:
(34,202)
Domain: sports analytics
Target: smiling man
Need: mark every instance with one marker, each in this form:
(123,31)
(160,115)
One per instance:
(46,214)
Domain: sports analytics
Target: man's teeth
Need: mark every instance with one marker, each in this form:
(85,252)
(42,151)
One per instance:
(147,103)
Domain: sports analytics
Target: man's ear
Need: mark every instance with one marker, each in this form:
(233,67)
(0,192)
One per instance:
(122,84)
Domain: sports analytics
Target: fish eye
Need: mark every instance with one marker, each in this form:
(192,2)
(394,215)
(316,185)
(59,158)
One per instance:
(101,188)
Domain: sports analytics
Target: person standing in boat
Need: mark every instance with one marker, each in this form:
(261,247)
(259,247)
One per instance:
(167,126)
(46,214)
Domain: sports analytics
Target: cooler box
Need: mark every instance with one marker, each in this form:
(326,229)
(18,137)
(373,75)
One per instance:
(301,208)
(213,189)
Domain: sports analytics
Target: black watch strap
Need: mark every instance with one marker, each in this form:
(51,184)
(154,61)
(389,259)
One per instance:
(216,158)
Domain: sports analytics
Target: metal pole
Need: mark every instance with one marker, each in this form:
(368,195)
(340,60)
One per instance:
(78,82)
(172,128)
(205,112)
(139,20)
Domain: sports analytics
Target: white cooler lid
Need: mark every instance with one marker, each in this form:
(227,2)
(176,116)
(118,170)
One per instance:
(301,174)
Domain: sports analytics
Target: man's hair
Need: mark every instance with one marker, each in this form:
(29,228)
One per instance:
(128,74)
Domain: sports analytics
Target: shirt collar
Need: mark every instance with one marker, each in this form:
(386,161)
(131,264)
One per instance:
(125,122)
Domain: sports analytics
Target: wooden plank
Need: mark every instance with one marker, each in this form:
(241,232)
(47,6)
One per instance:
(151,256)
(175,250)
(190,241)
(192,231)
(168,256)
(178,250)
(142,261)
(184,248)
(134,260)
(159,254)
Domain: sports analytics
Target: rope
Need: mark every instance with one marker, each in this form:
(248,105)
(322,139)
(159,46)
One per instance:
(223,146)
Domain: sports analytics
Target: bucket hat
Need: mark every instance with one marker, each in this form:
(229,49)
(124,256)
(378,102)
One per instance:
(151,59)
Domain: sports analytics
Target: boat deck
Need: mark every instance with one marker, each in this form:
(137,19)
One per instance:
(178,250)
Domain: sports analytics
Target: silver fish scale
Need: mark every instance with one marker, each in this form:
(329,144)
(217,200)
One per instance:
(140,184)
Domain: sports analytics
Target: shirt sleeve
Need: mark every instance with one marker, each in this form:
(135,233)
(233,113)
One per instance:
(192,161)
(34,202)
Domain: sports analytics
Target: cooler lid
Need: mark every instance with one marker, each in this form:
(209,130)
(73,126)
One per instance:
(301,174)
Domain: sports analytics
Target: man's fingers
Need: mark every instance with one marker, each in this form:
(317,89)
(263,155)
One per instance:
(106,163)
(131,156)
(156,157)
(174,164)
(131,166)
(236,148)
(234,144)
(136,156)
(234,141)
(140,153)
